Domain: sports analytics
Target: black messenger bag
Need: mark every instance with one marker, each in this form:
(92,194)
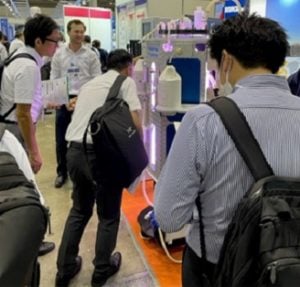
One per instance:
(120,152)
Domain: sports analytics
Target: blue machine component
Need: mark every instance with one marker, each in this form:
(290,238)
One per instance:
(190,71)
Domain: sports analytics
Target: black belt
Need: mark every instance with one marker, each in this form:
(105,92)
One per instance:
(80,145)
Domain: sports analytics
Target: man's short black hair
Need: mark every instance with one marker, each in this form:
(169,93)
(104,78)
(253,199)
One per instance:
(96,44)
(40,26)
(87,39)
(19,31)
(1,35)
(253,40)
(118,59)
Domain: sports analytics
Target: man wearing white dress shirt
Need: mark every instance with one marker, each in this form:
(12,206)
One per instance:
(79,64)
(21,89)
(86,192)
(3,51)
(18,42)
(21,84)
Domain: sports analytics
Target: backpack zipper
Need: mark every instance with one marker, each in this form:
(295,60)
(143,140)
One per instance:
(276,266)
(272,269)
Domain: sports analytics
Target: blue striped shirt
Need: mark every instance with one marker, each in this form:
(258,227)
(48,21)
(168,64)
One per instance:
(204,158)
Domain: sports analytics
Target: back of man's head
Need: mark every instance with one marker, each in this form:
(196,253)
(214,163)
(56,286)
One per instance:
(1,36)
(119,59)
(253,40)
(87,39)
(40,26)
(96,44)
(19,32)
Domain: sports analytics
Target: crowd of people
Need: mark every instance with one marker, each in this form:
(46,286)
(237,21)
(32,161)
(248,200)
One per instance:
(248,49)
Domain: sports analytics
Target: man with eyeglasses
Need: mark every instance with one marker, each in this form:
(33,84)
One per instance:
(21,89)
(79,64)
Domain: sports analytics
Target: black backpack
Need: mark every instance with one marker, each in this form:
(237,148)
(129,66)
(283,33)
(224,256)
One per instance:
(23,223)
(120,152)
(262,244)
(4,64)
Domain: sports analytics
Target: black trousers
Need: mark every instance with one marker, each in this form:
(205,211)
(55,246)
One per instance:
(196,272)
(21,234)
(62,121)
(85,193)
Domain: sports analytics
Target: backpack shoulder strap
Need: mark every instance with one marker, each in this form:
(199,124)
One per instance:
(239,130)
(7,61)
(113,93)
(12,57)
(2,130)
(115,88)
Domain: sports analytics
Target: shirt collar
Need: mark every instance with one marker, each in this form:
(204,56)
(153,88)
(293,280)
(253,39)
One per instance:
(82,48)
(31,51)
(266,80)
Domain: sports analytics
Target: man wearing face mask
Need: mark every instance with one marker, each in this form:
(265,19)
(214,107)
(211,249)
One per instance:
(204,160)
(294,83)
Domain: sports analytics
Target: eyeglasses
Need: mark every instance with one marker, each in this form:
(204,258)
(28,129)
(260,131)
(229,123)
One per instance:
(51,40)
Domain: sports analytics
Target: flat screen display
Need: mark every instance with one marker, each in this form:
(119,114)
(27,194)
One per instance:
(146,28)
(286,12)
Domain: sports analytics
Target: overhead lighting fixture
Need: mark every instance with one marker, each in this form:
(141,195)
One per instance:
(10,6)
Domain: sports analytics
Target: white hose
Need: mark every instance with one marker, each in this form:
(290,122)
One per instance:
(161,237)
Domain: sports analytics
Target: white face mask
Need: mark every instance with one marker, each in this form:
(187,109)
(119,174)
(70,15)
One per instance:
(225,89)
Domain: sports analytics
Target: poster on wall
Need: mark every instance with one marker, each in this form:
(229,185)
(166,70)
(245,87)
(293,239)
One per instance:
(141,13)
(129,17)
(101,27)
(4,26)
(131,21)
(122,27)
(232,9)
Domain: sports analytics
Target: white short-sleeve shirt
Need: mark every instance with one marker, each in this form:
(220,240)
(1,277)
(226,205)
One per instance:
(92,95)
(21,84)
(3,52)
(15,45)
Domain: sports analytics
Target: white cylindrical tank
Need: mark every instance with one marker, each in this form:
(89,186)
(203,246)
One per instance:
(138,76)
(169,89)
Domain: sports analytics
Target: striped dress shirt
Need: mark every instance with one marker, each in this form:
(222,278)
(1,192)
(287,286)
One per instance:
(203,159)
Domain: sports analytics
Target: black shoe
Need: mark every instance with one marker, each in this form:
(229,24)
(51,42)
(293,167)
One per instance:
(63,281)
(60,180)
(115,262)
(46,247)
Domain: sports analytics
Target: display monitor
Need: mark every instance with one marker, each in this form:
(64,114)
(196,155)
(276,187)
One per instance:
(219,10)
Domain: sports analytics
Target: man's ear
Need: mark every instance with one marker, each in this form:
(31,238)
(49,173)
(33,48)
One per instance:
(37,42)
(227,61)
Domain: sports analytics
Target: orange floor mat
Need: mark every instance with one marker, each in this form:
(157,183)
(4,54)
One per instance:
(167,273)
